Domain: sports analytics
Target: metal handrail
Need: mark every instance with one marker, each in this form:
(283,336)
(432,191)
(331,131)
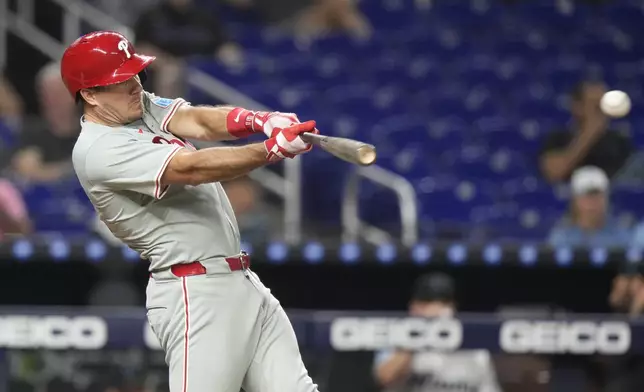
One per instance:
(39,40)
(81,10)
(354,228)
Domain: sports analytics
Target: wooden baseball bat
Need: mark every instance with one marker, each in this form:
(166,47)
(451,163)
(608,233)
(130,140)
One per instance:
(350,150)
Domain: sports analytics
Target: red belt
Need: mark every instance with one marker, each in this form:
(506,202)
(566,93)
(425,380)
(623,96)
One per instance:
(196,268)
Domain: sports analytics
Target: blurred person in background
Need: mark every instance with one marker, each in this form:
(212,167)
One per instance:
(176,29)
(311,19)
(14,217)
(252,218)
(46,143)
(627,292)
(11,105)
(11,113)
(433,295)
(587,142)
(589,222)
(623,373)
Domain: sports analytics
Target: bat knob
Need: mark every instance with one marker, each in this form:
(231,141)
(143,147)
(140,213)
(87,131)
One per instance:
(367,155)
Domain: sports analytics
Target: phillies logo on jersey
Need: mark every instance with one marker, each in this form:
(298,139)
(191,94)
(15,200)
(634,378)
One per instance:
(178,142)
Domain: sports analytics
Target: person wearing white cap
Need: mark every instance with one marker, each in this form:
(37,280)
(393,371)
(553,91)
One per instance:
(589,222)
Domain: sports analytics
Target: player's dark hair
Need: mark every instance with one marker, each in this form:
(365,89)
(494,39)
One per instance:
(79,96)
(434,287)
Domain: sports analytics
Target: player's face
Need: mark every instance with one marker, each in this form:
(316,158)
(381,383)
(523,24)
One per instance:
(430,309)
(122,101)
(592,204)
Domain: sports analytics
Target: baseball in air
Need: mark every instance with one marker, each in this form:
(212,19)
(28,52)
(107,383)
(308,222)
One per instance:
(615,104)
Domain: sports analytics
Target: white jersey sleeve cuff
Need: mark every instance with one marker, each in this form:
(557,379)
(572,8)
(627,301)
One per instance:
(159,189)
(171,111)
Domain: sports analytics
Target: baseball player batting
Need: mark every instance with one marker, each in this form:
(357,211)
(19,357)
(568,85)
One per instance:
(220,327)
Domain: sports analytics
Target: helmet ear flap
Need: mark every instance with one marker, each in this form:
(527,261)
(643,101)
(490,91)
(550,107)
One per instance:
(143,75)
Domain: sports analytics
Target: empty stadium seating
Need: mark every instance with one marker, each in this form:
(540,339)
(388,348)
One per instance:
(456,97)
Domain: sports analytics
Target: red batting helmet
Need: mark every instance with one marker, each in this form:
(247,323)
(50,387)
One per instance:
(100,58)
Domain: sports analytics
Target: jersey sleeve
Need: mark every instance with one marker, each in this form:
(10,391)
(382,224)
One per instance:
(118,161)
(489,381)
(158,111)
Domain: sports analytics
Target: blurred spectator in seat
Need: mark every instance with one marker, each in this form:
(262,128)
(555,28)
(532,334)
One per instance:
(427,371)
(589,222)
(627,292)
(46,143)
(620,294)
(14,218)
(252,218)
(11,105)
(311,19)
(588,142)
(176,29)
(623,372)
(11,112)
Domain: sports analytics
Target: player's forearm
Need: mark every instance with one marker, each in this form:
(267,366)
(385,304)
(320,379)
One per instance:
(217,123)
(394,369)
(558,165)
(213,164)
(213,122)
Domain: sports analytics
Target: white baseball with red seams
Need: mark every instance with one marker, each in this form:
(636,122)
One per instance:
(615,104)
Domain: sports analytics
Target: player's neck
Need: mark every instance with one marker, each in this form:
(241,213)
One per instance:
(97,117)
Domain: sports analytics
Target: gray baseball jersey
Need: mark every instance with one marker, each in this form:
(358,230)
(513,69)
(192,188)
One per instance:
(120,170)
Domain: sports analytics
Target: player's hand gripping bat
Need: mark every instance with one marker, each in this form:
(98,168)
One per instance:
(350,150)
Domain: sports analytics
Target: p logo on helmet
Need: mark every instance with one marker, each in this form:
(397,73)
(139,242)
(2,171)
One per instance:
(124,47)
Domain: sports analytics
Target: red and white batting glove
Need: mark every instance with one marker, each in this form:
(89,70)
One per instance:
(287,143)
(242,123)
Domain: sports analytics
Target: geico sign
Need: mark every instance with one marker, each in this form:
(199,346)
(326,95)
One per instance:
(409,333)
(576,337)
(53,332)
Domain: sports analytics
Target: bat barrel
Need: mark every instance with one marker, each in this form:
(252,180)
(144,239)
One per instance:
(350,150)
